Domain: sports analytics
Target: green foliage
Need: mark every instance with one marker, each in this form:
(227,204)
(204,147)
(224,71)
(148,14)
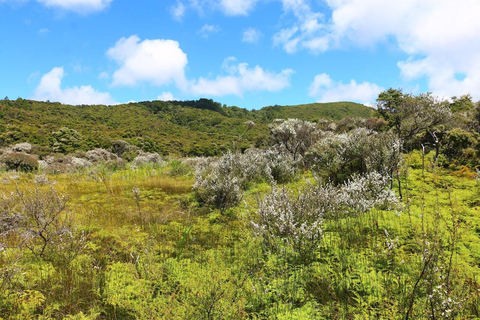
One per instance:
(66,140)
(132,242)
(194,128)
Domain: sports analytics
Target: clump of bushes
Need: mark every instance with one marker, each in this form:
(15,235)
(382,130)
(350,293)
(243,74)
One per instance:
(20,162)
(290,222)
(337,157)
(221,183)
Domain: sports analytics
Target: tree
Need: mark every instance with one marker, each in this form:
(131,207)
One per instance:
(410,115)
(66,140)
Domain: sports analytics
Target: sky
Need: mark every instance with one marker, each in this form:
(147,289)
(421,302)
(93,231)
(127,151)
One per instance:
(245,53)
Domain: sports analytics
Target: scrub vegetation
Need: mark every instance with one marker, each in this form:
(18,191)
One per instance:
(311,217)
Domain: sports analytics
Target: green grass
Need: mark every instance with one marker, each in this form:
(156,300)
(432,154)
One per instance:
(158,255)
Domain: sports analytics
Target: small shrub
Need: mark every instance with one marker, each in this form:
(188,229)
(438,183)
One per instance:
(221,183)
(39,218)
(20,162)
(145,158)
(100,155)
(22,147)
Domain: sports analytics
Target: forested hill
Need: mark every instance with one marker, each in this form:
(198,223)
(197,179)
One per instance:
(200,127)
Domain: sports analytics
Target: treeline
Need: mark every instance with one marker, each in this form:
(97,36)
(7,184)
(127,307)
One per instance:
(185,128)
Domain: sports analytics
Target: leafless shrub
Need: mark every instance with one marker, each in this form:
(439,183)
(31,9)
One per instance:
(39,218)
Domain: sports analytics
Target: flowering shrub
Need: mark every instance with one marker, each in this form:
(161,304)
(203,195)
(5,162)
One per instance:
(100,155)
(145,158)
(293,135)
(273,164)
(221,183)
(337,157)
(291,223)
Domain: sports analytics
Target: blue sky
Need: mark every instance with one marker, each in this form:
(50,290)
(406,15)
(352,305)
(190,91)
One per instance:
(248,53)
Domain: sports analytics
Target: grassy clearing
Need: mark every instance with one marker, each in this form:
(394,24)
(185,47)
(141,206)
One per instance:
(147,250)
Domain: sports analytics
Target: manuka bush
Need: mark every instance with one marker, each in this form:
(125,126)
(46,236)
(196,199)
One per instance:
(337,157)
(290,223)
(20,161)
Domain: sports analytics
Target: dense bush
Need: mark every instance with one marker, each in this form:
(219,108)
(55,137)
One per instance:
(20,161)
(337,157)
(459,146)
(221,183)
(290,222)
(294,136)
(66,140)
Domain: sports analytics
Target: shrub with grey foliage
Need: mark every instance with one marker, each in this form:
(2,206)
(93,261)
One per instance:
(24,147)
(100,155)
(221,182)
(145,158)
(337,157)
(290,222)
(294,136)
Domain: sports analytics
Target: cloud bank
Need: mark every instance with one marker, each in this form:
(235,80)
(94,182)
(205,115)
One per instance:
(161,62)
(327,90)
(50,89)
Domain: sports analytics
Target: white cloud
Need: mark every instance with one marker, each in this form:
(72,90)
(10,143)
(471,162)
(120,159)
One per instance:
(251,35)
(178,11)
(43,31)
(439,36)
(241,79)
(49,88)
(304,32)
(158,61)
(327,90)
(228,7)
(207,30)
(162,62)
(237,7)
(103,75)
(166,96)
(78,6)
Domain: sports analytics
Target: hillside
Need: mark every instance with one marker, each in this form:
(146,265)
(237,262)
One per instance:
(201,127)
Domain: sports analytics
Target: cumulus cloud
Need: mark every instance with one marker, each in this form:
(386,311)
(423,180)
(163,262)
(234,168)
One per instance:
(162,62)
(157,61)
(240,79)
(166,96)
(178,11)
(251,35)
(49,88)
(440,37)
(78,6)
(327,90)
(207,30)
